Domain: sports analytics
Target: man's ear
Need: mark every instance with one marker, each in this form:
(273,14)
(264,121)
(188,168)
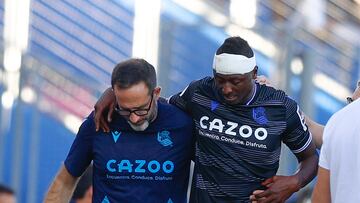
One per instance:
(157,92)
(254,72)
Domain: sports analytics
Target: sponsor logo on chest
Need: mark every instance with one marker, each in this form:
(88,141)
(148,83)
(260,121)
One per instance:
(232,128)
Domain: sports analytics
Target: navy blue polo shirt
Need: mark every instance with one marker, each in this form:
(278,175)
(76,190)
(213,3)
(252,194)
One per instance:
(137,166)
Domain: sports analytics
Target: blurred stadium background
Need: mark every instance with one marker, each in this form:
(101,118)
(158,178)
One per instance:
(57,57)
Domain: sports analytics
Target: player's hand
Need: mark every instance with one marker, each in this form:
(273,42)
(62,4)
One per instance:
(253,198)
(263,80)
(279,189)
(105,104)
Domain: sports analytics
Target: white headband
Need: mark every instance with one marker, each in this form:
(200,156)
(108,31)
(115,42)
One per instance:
(229,64)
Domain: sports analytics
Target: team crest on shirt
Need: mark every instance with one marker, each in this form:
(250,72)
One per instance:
(164,138)
(259,115)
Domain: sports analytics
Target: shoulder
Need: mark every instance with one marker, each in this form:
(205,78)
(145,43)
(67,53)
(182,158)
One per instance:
(202,86)
(88,123)
(204,83)
(278,99)
(346,115)
(269,95)
(171,115)
(201,82)
(344,123)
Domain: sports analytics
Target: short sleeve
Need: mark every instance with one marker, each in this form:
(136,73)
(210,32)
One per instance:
(183,99)
(80,154)
(296,136)
(324,160)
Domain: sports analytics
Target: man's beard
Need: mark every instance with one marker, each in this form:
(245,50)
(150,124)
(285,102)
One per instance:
(141,127)
(147,121)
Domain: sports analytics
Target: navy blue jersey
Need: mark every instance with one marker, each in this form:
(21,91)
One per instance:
(238,146)
(137,166)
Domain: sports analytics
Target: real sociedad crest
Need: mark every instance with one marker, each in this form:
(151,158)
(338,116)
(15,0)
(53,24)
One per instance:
(164,138)
(259,115)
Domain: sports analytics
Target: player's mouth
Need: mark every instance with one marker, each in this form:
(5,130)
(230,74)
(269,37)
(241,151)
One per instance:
(230,98)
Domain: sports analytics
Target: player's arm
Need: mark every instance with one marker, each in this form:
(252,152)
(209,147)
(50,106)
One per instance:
(280,188)
(316,130)
(308,165)
(104,109)
(299,140)
(62,187)
(321,192)
(76,162)
(183,99)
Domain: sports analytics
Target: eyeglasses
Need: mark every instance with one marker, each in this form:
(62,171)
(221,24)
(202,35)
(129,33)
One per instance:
(138,112)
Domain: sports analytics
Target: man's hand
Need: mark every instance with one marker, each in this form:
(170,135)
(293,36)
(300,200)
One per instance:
(252,197)
(263,80)
(279,189)
(106,103)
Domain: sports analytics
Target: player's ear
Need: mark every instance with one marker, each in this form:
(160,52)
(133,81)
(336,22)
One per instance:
(254,72)
(157,92)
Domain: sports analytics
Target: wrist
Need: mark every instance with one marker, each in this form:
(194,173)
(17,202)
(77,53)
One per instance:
(297,183)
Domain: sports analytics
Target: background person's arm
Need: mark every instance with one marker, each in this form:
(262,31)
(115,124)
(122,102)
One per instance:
(62,187)
(316,130)
(321,193)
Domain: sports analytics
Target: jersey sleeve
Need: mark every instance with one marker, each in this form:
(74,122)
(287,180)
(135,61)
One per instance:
(296,136)
(80,154)
(183,99)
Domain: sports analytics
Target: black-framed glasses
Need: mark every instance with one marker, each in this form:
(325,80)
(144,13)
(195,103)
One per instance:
(138,112)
